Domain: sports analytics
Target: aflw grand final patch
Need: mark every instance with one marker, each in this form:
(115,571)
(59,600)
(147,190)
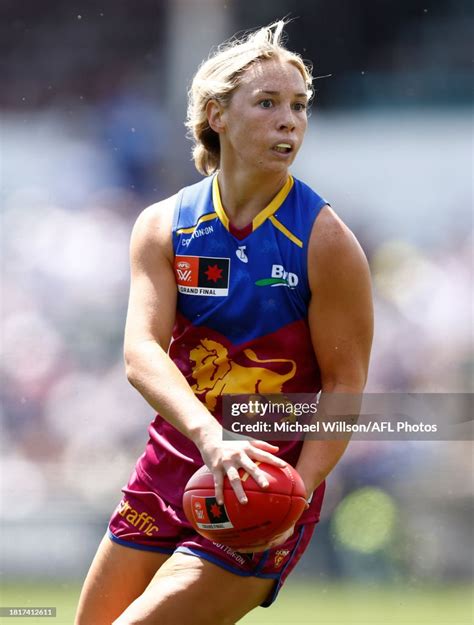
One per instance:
(199,275)
(208,514)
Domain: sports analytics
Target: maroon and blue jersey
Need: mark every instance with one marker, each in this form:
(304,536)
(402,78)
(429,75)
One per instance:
(241,323)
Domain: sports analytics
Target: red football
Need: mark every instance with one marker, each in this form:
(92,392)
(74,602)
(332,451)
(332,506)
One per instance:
(269,511)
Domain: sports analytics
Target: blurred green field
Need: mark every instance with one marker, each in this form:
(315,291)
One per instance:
(298,604)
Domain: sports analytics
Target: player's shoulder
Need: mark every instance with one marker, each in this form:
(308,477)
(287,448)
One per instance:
(155,221)
(307,195)
(156,215)
(333,242)
(331,233)
(328,230)
(152,232)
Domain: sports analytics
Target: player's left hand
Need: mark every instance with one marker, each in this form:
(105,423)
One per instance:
(279,539)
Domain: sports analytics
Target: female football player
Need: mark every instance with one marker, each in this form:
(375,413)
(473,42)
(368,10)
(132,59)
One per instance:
(246,282)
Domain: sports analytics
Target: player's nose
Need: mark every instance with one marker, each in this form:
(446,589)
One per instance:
(287,119)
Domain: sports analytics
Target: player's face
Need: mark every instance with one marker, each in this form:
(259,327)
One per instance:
(266,118)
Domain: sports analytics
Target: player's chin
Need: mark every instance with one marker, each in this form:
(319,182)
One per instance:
(283,163)
(272,166)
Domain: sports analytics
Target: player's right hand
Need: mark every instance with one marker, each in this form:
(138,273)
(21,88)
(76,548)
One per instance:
(226,457)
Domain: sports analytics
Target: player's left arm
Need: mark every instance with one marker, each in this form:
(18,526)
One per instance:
(341,323)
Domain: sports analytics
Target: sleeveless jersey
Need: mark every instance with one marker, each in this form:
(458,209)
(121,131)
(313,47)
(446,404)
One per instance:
(241,323)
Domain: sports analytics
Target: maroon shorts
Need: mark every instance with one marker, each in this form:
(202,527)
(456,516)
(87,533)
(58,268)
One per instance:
(143,520)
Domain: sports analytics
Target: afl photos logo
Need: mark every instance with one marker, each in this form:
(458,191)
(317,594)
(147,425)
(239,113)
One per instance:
(198,275)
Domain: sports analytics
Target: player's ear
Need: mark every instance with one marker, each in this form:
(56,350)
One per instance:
(214,111)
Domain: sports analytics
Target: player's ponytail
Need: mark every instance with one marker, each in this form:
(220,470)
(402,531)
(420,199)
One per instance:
(220,75)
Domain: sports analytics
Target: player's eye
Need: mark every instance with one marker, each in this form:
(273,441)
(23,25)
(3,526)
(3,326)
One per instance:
(299,106)
(266,104)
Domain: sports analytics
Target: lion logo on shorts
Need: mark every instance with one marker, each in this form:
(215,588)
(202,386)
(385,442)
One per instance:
(215,373)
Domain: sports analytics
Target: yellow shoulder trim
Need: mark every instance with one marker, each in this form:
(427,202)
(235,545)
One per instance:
(285,231)
(216,200)
(201,219)
(264,214)
(274,205)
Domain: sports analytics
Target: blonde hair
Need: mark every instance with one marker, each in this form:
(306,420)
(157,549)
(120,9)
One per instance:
(219,76)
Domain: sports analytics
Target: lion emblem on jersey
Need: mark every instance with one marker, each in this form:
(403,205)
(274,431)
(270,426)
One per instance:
(215,373)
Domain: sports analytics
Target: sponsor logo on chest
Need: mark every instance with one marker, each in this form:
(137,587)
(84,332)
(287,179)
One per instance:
(199,275)
(241,255)
(200,232)
(279,277)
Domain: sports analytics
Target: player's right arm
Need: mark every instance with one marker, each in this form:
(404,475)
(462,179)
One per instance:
(150,319)
(149,326)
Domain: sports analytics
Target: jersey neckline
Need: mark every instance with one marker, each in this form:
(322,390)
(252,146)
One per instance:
(261,217)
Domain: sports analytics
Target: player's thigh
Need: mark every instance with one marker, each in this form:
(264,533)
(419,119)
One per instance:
(190,590)
(117,576)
